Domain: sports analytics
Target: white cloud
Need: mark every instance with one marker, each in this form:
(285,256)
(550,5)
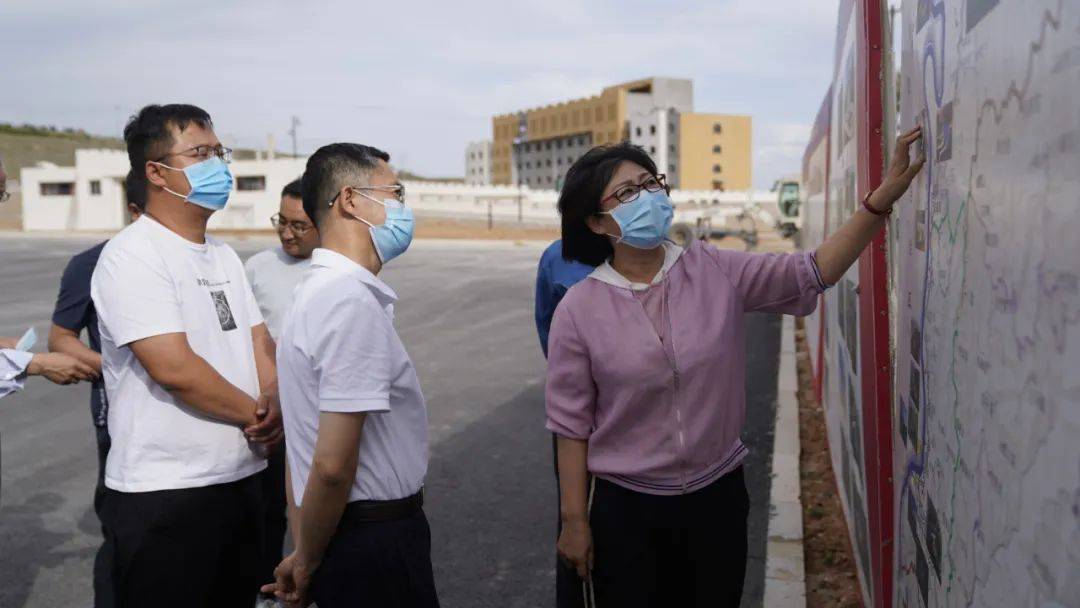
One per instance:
(778,151)
(418,78)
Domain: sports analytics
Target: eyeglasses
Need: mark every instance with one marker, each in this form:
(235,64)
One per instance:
(298,228)
(396,190)
(630,192)
(4,196)
(203,152)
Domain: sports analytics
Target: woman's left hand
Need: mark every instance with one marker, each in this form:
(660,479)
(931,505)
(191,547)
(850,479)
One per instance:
(901,172)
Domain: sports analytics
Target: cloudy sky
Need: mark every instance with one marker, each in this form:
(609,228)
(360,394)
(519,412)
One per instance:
(419,79)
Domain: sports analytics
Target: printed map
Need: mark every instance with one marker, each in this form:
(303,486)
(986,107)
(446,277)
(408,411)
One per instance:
(986,274)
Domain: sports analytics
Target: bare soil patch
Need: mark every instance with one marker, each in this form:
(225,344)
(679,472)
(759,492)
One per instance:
(831,579)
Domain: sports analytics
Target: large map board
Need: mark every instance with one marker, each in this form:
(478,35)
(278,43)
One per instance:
(987,352)
(854,345)
(977,501)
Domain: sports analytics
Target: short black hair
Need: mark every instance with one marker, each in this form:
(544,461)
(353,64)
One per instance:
(330,169)
(294,189)
(148,135)
(580,199)
(133,193)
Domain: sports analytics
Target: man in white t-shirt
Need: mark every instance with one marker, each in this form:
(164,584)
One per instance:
(355,419)
(190,373)
(274,274)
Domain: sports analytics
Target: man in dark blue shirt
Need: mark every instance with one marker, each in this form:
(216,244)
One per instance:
(554,277)
(75,312)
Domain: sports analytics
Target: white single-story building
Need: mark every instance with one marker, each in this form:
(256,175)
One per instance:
(90,196)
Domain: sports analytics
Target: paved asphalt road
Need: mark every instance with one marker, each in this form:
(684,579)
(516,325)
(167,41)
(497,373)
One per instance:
(465,316)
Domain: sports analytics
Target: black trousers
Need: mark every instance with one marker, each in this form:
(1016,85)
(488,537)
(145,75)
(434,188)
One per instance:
(189,547)
(103,592)
(275,522)
(377,564)
(657,551)
(568,592)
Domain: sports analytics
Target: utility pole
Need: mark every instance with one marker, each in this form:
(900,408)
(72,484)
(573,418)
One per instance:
(292,133)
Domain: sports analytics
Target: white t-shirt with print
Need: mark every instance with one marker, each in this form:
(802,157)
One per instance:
(151,281)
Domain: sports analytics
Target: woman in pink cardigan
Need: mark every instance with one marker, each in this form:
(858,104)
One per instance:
(645,386)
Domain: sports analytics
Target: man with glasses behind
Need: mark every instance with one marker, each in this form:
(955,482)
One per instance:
(190,374)
(274,274)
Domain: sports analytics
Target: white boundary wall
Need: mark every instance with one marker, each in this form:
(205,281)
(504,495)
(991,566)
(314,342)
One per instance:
(251,210)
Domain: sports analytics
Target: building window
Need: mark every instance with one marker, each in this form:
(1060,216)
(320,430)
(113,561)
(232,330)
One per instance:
(95,187)
(611,112)
(716,128)
(637,131)
(528,165)
(652,149)
(671,148)
(549,179)
(549,162)
(558,161)
(558,145)
(717,185)
(652,129)
(716,169)
(547,145)
(671,168)
(716,149)
(57,189)
(671,127)
(251,183)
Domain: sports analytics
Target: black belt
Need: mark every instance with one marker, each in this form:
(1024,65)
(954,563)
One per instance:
(362,511)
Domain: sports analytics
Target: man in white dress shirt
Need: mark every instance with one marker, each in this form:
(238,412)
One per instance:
(355,419)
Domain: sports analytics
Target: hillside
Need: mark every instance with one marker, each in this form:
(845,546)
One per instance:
(26,145)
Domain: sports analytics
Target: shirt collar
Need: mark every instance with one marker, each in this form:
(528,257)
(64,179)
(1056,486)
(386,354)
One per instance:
(606,273)
(334,260)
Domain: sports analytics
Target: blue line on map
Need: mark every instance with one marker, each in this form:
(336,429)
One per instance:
(916,463)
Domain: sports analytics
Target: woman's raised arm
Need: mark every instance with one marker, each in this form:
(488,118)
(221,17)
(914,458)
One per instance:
(843,247)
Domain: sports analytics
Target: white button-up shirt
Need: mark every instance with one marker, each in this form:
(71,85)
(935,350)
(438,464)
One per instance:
(339,352)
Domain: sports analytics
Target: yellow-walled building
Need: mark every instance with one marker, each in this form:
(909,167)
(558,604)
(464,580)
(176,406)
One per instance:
(696,151)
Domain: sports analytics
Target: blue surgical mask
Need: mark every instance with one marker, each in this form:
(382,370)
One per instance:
(644,221)
(211,183)
(393,237)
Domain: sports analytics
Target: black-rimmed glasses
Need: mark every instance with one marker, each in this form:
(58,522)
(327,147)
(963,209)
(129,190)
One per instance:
(630,192)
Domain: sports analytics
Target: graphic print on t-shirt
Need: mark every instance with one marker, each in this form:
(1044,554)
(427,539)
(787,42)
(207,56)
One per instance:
(224,313)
